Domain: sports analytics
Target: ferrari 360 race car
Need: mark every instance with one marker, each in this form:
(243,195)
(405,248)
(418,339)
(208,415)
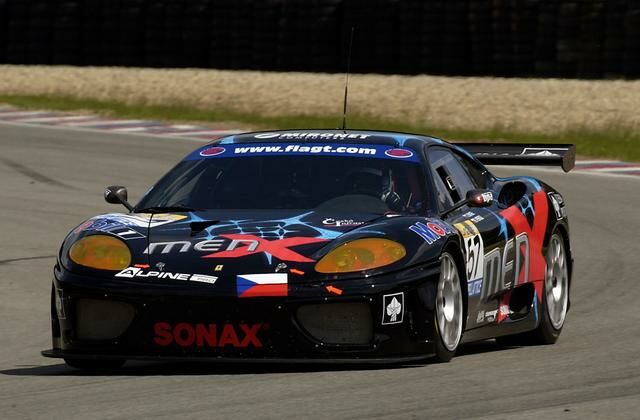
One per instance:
(319,246)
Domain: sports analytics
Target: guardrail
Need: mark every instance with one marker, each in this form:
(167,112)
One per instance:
(539,38)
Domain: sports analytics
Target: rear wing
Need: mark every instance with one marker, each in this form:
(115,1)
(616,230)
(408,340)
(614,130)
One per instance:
(563,155)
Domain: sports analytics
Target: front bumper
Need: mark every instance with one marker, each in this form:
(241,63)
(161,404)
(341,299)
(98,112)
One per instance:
(169,322)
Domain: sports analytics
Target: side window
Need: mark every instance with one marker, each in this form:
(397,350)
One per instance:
(478,173)
(451,178)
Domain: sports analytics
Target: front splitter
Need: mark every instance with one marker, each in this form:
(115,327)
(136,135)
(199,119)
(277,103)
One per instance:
(59,354)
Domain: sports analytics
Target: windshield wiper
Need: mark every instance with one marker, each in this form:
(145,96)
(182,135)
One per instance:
(165,209)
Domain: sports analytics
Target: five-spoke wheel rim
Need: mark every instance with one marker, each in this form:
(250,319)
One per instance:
(449,304)
(556,282)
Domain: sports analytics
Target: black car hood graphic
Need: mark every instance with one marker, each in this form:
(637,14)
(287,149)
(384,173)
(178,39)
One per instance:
(243,242)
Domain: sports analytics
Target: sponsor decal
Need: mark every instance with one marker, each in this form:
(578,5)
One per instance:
(218,267)
(105,221)
(486,316)
(474,255)
(399,153)
(392,308)
(59,299)
(254,244)
(535,264)
(112,226)
(475,218)
(213,151)
(301,149)
(521,260)
(341,222)
(467,229)
(474,288)
(431,231)
(261,285)
(484,198)
(305,149)
(185,334)
(543,151)
(502,267)
(267,135)
(160,219)
(312,136)
(238,245)
(558,205)
(137,272)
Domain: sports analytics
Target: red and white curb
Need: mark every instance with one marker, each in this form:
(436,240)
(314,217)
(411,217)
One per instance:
(608,167)
(10,114)
(92,122)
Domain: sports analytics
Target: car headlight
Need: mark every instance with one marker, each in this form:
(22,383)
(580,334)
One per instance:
(360,255)
(101,252)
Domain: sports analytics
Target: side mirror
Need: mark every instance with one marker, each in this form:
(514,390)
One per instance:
(117,194)
(474,198)
(479,198)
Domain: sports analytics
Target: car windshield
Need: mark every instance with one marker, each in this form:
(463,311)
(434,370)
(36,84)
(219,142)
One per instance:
(332,183)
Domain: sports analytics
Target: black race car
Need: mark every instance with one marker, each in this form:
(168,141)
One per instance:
(322,246)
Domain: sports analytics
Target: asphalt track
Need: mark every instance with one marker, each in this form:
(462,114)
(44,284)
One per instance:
(51,179)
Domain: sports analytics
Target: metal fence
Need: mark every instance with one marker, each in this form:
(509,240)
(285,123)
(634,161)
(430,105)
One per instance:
(539,38)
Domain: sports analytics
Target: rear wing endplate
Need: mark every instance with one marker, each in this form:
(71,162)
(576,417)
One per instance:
(563,155)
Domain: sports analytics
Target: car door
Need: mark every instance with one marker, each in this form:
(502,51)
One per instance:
(454,175)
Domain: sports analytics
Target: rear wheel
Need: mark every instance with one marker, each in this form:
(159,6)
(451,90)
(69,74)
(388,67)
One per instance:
(556,294)
(449,310)
(93,364)
(555,302)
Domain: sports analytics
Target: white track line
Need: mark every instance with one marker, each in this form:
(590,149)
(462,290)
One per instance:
(559,171)
(106,123)
(147,136)
(207,132)
(19,114)
(595,162)
(135,129)
(186,127)
(621,169)
(57,119)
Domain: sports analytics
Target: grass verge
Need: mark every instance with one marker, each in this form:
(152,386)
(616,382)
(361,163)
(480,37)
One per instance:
(615,142)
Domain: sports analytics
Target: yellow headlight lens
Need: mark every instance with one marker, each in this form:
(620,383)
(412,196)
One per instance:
(101,252)
(361,254)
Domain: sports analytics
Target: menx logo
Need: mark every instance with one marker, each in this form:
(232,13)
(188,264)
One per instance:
(278,248)
(238,245)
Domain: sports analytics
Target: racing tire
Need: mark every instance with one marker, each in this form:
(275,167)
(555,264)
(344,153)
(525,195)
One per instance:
(555,301)
(95,365)
(449,310)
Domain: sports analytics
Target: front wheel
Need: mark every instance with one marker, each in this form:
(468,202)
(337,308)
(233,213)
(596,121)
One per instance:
(449,310)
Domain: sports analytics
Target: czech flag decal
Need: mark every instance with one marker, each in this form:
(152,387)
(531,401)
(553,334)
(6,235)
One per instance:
(258,285)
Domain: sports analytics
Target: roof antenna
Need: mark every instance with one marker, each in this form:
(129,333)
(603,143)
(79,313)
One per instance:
(346,82)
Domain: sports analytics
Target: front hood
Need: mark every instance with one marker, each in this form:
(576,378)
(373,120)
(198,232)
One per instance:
(243,242)
(231,248)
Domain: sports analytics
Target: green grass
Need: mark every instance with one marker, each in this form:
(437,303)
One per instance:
(616,142)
